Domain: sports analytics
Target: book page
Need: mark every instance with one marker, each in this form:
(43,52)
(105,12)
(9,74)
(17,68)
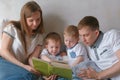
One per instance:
(61,69)
(60,64)
(61,61)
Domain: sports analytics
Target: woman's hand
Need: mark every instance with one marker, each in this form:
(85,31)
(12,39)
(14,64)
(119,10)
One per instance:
(88,73)
(52,77)
(31,69)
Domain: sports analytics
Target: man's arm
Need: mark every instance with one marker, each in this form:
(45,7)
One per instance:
(108,73)
(112,71)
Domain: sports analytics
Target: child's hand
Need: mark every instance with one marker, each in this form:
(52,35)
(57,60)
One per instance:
(63,54)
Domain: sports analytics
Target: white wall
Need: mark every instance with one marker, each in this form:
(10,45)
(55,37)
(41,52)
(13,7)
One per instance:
(58,14)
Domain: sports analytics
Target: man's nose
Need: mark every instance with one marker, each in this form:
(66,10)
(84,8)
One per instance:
(83,39)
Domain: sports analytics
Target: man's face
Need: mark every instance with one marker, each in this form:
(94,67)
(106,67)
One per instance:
(88,36)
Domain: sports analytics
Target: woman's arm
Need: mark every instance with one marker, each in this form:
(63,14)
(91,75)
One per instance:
(35,53)
(5,50)
(6,53)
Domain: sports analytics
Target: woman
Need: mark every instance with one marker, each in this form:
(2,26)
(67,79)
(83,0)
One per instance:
(21,40)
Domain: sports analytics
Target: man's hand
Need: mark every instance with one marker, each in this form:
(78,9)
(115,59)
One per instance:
(88,73)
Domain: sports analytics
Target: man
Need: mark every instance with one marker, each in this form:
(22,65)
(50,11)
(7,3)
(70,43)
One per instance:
(103,48)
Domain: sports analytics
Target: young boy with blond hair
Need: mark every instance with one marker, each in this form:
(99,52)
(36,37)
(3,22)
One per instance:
(76,51)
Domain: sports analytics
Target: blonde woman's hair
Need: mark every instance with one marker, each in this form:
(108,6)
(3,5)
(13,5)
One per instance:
(27,10)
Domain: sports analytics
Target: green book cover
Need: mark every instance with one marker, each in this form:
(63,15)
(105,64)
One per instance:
(58,68)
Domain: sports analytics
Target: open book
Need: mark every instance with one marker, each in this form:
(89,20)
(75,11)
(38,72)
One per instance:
(58,68)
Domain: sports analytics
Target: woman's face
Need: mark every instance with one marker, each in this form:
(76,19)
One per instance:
(34,21)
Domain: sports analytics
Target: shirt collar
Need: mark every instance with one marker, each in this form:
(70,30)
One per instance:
(98,41)
(73,46)
(53,55)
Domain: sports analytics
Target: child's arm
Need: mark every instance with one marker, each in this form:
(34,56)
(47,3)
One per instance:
(46,58)
(63,54)
(78,60)
(45,55)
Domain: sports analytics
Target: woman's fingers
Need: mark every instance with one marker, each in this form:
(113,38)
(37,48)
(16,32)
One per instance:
(52,77)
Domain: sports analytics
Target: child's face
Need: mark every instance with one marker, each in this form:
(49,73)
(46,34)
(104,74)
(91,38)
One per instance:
(70,41)
(53,47)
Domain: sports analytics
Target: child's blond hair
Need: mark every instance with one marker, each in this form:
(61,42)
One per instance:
(52,36)
(71,31)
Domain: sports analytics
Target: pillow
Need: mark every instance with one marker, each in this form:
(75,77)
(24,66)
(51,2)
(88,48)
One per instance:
(3,24)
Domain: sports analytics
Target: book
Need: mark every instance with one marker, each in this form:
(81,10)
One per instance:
(48,68)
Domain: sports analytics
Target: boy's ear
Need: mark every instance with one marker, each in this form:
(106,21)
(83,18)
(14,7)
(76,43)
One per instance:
(46,45)
(97,32)
(78,39)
